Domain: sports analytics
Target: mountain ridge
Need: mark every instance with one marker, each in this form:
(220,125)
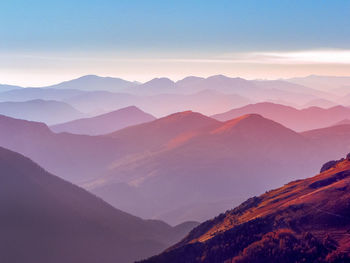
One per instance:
(75,226)
(310,213)
(299,120)
(105,123)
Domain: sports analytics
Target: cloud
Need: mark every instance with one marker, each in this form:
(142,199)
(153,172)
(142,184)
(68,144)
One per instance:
(292,57)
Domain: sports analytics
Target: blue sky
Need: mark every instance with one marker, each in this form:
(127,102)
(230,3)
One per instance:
(151,29)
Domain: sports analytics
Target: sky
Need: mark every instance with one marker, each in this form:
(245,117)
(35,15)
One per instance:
(43,42)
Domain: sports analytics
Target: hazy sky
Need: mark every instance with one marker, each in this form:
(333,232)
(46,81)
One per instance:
(43,42)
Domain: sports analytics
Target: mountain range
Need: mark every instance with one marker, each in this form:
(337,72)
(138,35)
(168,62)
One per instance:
(119,171)
(46,219)
(93,82)
(95,95)
(207,102)
(338,85)
(302,221)
(105,123)
(140,169)
(299,120)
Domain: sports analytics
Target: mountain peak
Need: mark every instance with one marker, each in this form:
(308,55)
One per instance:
(160,81)
(248,119)
(223,77)
(105,123)
(94,82)
(186,119)
(168,127)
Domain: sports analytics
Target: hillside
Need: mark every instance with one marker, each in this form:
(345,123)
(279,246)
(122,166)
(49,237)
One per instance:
(303,221)
(46,219)
(105,123)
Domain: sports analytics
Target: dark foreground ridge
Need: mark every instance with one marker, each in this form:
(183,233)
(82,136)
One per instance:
(46,219)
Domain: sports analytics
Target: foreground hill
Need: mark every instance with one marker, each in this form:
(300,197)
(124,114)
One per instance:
(299,120)
(49,112)
(105,123)
(45,219)
(303,221)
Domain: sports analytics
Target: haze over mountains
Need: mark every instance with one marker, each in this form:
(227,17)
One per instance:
(25,94)
(152,131)
(327,83)
(151,150)
(94,95)
(45,219)
(93,82)
(143,168)
(50,112)
(303,221)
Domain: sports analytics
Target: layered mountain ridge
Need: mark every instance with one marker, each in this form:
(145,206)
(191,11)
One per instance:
(105,123)
(140,169)
(45,219)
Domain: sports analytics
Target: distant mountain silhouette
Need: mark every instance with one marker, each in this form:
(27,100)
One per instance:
(50,112)
(303,221)
(327,83)
(105,123)
(321,103)
(333,137)
(25,94)
(299,120)
(294,88)
(296,92)
(188,81)
(95,95)
(153,87)
(93,82)
(4,87)
(206,101)
(45,219)
(256,90)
